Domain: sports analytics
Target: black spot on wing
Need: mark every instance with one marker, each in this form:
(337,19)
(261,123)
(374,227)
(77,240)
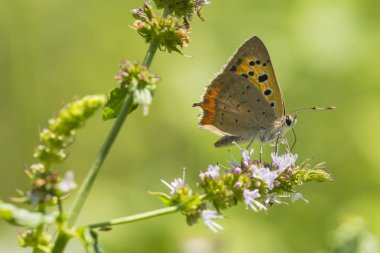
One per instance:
(263,78)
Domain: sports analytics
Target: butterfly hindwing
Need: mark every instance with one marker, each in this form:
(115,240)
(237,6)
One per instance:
(252,62)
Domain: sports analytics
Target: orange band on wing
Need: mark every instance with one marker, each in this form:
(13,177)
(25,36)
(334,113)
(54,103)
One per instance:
(208,104)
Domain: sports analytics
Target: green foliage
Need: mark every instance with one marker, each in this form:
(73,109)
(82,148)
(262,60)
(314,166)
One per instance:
(115,100)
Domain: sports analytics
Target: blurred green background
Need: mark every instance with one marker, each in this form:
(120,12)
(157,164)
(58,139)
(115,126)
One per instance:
(324,53)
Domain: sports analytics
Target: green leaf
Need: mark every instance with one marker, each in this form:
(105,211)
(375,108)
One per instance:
(165,199)
(115,101)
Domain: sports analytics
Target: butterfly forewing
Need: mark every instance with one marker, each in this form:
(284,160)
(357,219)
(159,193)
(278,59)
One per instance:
(252,61)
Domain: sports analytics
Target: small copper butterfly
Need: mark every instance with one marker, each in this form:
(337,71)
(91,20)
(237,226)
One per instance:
(244,102)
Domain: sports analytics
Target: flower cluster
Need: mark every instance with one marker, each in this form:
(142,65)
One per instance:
(256,184)
(130,71)
(60,132)
(167,31)
(47,184)
(182,8)
(136,80)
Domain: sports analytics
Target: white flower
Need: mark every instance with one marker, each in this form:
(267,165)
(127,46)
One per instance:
(173,186)
(250,200)
(67,184)
(208,216)
(283,161)
(144,98)
(296,196)
(265,175)
(271,198)
(212,172)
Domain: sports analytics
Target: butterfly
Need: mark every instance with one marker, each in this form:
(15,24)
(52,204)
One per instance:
(244,102)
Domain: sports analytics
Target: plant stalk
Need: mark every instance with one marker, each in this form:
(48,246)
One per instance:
(85,188)
(137,217)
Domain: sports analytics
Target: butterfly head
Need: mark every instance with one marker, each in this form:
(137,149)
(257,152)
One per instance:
(290,120)
(288,123)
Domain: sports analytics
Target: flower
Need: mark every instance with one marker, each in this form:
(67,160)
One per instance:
(283,161)
(173,186)
(208,216)
(236,170)
(67,184)
(212,172)
(250,200)
(296,196)
(238,185)
(265,174)
(246,157)
(144,98)
(271,199)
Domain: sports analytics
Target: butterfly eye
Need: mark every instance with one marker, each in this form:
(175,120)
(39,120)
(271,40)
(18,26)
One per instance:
(288,121)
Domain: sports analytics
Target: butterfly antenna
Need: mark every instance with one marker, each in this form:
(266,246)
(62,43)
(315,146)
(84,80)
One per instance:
(295,139)
(314,109)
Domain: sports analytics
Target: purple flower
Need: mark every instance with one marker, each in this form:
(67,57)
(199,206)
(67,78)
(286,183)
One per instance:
(173,186)
(284,161)
(238,185)
(236,170)
(212,172)
(208,216)
(246,156)
(250,200)
(265,175)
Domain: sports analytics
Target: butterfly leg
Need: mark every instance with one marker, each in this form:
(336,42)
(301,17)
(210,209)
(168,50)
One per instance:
(277,144)
(261,152)
(250,142)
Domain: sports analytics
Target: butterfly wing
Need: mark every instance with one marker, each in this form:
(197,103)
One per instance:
(252,61)
(245,97)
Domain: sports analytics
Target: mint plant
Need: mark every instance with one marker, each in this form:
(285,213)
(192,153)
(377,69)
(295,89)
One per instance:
(258,185)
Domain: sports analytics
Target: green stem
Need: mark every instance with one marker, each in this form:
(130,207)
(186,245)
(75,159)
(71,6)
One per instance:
(40,229)
(99,160)
(85,188)
(137,217)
